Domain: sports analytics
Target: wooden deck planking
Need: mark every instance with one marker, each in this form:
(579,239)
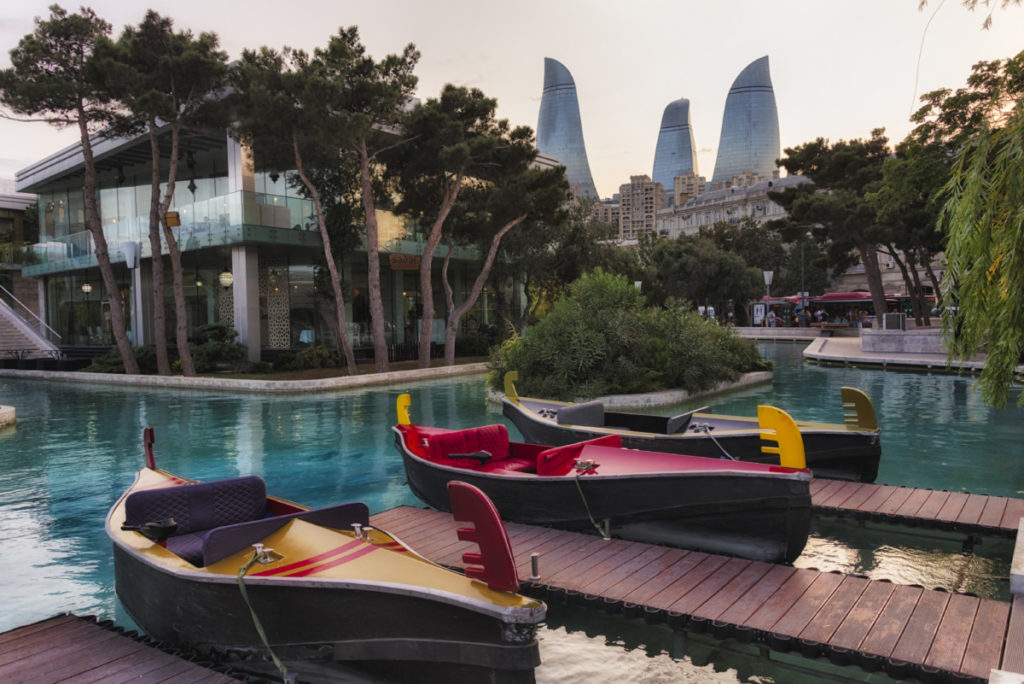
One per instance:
(950,643)
(1013,653)
(76,649)
(878,498)
(992,515)
(1013,513)
(839,495)
(913,504)
(954,504)
(950,632)
(932,505)
(986,640)
(970,514)
(896,501)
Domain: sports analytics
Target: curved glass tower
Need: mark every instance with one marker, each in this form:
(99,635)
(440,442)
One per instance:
(559,129)
(676,153)
(750,126)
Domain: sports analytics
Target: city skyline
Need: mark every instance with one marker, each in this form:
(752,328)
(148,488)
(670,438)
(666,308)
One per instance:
(838,69)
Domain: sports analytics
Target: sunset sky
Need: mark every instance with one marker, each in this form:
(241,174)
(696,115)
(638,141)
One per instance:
(839,68)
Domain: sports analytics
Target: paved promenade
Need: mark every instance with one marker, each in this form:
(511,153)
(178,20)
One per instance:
(847,351)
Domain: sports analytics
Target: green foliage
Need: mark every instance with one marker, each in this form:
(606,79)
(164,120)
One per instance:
(602,338)
(111,361)
(985,255)
(214,348)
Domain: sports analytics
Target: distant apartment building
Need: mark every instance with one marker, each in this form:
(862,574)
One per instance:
(686,186)
(639,202)
(606,211)
(727,205)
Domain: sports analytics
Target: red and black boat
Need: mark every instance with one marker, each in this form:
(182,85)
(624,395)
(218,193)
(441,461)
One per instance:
(753,510)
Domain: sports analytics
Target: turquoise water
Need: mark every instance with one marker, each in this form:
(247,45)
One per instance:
(76,448)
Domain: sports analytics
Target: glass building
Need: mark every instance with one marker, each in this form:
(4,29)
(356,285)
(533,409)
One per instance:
(676,153)
(749,142)
(559,129)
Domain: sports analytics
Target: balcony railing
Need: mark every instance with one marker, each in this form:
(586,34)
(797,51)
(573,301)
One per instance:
(213,222)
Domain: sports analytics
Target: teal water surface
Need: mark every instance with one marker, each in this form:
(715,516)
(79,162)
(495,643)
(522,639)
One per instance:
(76,448)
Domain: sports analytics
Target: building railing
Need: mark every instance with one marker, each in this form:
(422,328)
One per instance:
(16,306)
(208,223)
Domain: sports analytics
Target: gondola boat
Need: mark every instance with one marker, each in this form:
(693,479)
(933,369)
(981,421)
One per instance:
(850,451)
(206,566)
(753,510)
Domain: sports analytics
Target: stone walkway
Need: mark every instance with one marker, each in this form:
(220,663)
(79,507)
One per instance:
(847,351)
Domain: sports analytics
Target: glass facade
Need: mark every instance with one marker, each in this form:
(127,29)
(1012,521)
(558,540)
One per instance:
(560,130)
(749,142)
(676,153)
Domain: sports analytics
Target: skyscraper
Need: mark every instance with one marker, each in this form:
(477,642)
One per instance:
(750,126)
(675,154)
(559,129)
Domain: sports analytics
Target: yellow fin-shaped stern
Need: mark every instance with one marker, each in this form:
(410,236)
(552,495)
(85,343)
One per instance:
(510,386)
(777,426)
(863,415)
(402,405)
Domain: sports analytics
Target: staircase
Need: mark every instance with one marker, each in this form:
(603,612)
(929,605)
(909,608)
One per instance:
(19,340)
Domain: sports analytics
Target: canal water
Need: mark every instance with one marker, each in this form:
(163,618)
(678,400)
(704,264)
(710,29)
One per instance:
(76,448)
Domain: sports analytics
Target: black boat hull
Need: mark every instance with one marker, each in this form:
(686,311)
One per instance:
(832,454)
(762,518)
(394,633)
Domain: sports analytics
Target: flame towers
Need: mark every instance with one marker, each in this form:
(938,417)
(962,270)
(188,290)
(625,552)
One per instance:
(749,141)
(559,129)
(675,154)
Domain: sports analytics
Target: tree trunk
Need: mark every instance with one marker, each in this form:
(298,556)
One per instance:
(380,349)
(922,301)
(926,260)
(451,193)
(915,305)
(455,314)
(869,257)
(188,369)
(95,226)
(332,267)
(163,363)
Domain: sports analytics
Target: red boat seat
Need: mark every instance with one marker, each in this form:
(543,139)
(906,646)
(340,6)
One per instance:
(560,460)
(513,464)
(490,438)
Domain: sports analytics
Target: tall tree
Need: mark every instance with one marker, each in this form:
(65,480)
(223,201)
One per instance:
(834,208)
(516,196)
(276,101)
(52,78)
(362,101)
(167,78)
(453,140)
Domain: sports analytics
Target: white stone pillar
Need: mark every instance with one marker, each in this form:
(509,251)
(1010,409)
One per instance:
(246,302)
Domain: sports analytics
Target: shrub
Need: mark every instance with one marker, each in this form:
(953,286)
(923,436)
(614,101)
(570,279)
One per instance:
(214,347)
(601,338)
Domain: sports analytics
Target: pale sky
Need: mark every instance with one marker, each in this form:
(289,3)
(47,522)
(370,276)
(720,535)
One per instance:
(839,67)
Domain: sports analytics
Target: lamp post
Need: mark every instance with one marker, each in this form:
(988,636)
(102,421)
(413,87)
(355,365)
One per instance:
(768,283)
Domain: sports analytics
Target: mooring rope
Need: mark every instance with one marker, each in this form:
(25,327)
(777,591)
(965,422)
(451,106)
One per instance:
(285,677)
(583,467)
(706,429)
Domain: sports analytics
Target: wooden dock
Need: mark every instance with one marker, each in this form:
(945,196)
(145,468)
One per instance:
(903,630)
(951,511)
(70,648)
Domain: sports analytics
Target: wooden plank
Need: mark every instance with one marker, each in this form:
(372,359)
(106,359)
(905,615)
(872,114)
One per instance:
(954,630)
(646,593)
(894,502)
(878,499)
(932,505)
(954,504)
(913,504)
(840,495)
(652,572)
(821,490)
(745,606)
(623,576)
(765,617)
(671,593)
(618,554)
(863,615)
(860,496)
(818,484)
(559,553)
(573,576)
(891,623)
(1013,653)
(971,512)
(1013,513)
(986,641)
(993,513)
(710,586)
(827,620)
(728,595)
(27,630)
(807,606)
(917,638)
(39,640)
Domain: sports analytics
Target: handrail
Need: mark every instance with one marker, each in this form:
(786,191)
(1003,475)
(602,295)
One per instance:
(30,311)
